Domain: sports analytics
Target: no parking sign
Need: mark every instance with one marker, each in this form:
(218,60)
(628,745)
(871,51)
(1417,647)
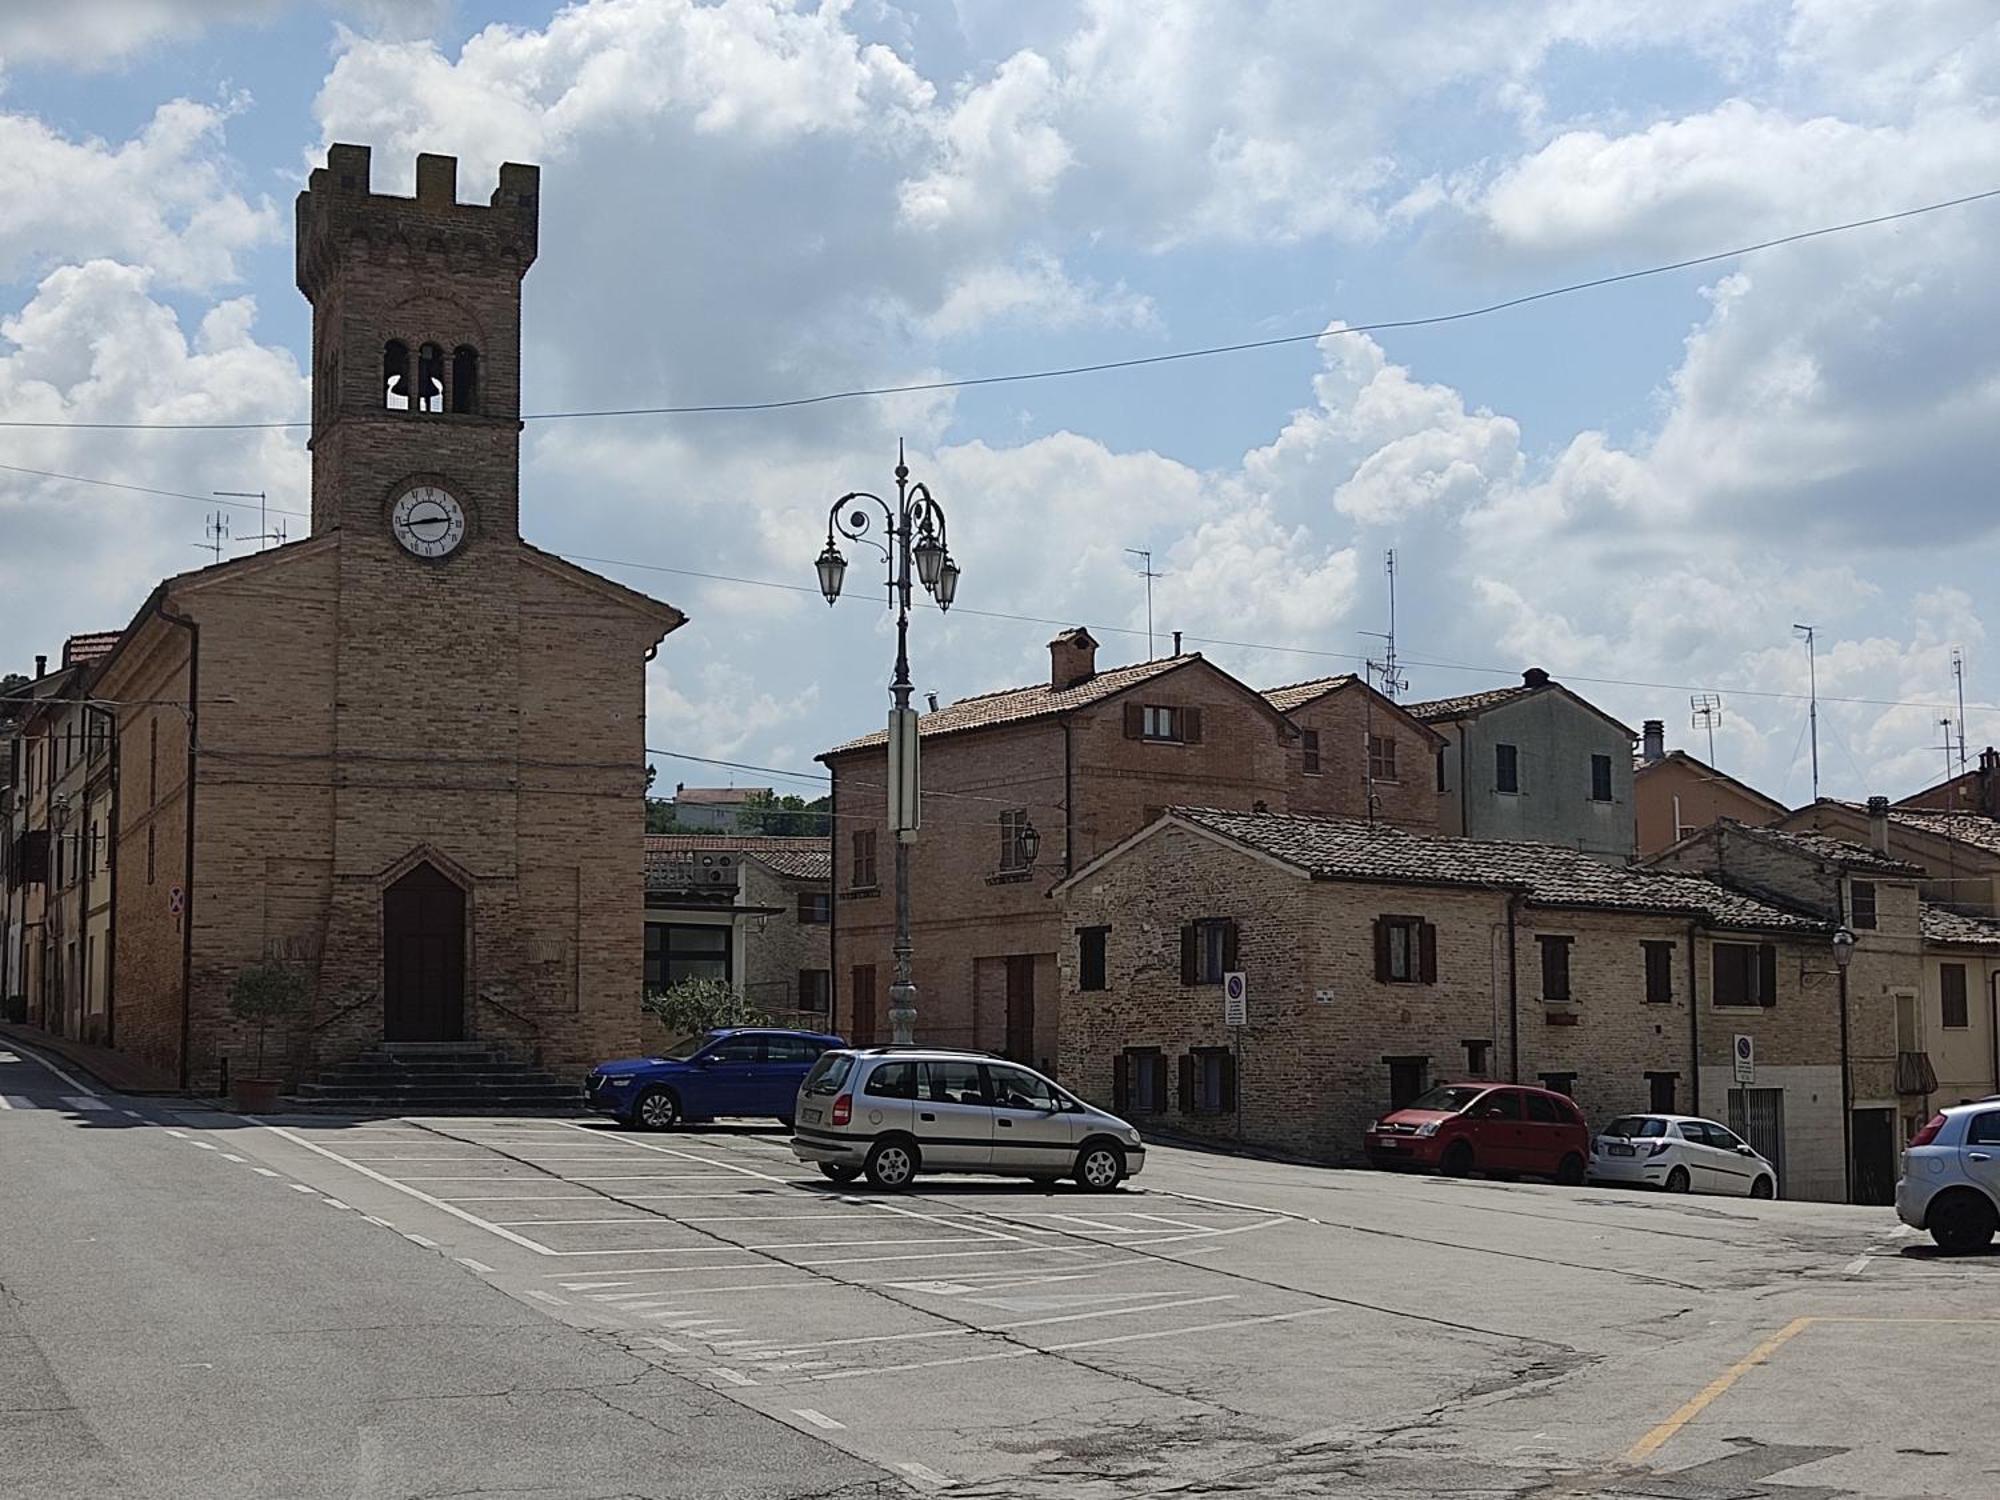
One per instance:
(1235,1001)
(1746,1059)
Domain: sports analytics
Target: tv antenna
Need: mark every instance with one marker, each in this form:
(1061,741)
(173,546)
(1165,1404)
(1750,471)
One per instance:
(1945,724)
(1812,702)
(1958,676)
(216,529)
(1385,671)
(265,534)
(1707,714)
(1145,556)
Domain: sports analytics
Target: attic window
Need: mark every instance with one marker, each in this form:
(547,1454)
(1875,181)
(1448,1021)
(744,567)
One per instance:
(1861,904)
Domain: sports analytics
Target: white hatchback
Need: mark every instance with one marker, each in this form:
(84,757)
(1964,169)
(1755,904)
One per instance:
(1681,1153)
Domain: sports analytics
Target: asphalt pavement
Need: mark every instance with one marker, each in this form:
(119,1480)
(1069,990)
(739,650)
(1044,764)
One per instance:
(202,1304)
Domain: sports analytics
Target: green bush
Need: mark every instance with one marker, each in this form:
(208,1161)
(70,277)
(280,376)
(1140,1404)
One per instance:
(264,992)
(697,1005)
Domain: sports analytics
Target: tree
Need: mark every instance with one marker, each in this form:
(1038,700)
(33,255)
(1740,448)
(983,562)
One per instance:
(696,1005)
(787,816)
(264,992)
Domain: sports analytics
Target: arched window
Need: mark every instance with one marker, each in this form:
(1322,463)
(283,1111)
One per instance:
(396,375)
(430,378)
(465,379)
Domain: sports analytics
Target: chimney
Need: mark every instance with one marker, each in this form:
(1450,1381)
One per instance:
(1072,658)
(1655,741)
(1989,782)
(1878,824)
(1177,643)
(42,670)
(931,699)
(1535,677)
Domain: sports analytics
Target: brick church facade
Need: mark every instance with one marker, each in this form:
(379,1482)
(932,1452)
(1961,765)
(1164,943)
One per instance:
(406,753)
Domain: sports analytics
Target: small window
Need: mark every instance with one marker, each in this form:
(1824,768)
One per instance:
(1555,968)
(816,991)
(1506,769)
(1013,840)
(465,380)
(1141,1085)
(1440,771)
(1409,1077)
(1208,950)
(396,375)
(892,1080)
(1659,973)
(815,908)
(430,378)
(1951,988)
(1405,951)
(1560,1083)
(1600,778)
(1381,757)
(1744,974)
(1309,751)
(1860,904)
(1161,723)
(864,859)
(1478,1058)
(1662,1087)
(1208,1081)
(1091,946)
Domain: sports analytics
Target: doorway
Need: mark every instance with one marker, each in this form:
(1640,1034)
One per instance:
(1021,1007)
(423,958)
(1758,1115)
(1875,1156)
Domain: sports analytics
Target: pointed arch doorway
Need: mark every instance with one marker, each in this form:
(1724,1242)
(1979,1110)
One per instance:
(423,957)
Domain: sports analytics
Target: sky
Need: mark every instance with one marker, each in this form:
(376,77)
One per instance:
(1641,487)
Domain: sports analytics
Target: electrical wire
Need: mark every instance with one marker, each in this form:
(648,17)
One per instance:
(1097,367)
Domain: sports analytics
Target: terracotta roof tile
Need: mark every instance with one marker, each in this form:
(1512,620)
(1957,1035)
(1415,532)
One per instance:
(1021,704)
(1293,694)
(795,864)
(1942,925)
(748,843)
(1466,703)
(1824,846)
(80,649)
(1349,849)
(1966,828)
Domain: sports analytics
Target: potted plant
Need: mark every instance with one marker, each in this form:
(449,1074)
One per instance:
(264,992)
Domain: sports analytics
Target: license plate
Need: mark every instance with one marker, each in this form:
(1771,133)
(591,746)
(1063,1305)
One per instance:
(812,1115)
(1390,1143)
(1623,1150)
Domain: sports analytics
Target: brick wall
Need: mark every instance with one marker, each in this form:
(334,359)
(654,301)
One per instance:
(777,948)
(1344,720)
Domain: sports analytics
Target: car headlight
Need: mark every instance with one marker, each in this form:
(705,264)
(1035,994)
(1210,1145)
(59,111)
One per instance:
(1429,1128)
(618,1079)
(1132,1137)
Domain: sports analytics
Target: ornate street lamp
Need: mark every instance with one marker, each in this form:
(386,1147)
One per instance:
(1843,955)
(912,543)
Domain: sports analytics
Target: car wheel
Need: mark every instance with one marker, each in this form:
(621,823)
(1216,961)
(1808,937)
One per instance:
(1763,1187)
(891,1164)
(1457,1160)
(838,1173)
(1569,1171)
(1678,1180)
(1962,1223)
(1100,1167)
(657,1109)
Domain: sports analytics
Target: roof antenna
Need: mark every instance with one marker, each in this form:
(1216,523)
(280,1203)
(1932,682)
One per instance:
(1386,676)
(1958,673)
(216,529)
(1812,711)
(264,532)
(1707,714)
(1145,556)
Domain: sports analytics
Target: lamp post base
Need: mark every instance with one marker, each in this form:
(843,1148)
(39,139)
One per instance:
(902,1013)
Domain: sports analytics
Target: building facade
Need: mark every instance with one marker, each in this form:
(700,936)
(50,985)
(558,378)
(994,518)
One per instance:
(1359,754)
(1674,794)
(1533,762)
(405,754)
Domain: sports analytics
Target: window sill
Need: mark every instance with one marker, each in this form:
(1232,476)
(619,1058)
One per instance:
(1156,739)
(1750,1009)
(1010,877)
(857,892)
(1561,1012)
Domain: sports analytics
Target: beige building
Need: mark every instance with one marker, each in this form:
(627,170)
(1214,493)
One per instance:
(1675,794)
(1379,962)
(405,754)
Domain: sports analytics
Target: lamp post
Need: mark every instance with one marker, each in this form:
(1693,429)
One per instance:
(913,540)
(1843,955)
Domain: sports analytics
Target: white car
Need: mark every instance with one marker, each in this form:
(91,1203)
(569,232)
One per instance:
(1682,1154)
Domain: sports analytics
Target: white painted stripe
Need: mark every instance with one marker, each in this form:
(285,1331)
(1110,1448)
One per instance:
(1856,1266)
(550,1297)
(134,1114)
(862,1260)
(336,1203)
(706,1161)
(734,1377)
(179,1135)
(1087,1223)
(264,1172)
(205,1145)
(84,1102)
(858,1244)
(5,1102)
(67,1077)
(925,1474)
(379,1222)
(819,1419)
(417,1239)
(231,1156)
(422,1197)
(667,1344)
(572,1223)
(473,1265)
(1109,1312)
(300,1187)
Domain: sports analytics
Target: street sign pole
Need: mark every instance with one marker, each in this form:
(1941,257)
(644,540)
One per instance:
(1236,1016)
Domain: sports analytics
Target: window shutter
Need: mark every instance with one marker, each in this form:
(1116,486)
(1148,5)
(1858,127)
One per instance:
(1135,721)
(1121,1082)
(805,906)
(1427,940)
(1227,1101)
(1767,974)
(1159,1086)
(1191,726)
(805,989)
(1381,950)
(1190,956)
(1187,1083)
(1229,946)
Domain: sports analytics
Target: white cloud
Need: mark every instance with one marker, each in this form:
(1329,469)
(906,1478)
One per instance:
(94,34)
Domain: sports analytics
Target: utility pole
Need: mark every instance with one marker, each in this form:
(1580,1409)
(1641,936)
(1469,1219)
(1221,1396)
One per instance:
(1958,675)
(1145,556)
(1812,709)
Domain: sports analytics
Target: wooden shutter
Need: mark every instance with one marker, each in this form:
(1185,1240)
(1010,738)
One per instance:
(1227,1101)
(1121,1082)
(1767,974)
(1159,1100)
(1135,721)
(1191,726)
(1229,946)
(1381,950)
(1190,955)
(1187,1083)
(1427,954)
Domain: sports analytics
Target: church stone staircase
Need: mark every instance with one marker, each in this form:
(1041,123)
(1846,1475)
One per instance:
(439,1078)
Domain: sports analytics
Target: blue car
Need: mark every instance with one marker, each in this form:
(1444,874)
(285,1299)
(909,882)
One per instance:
(738,1070)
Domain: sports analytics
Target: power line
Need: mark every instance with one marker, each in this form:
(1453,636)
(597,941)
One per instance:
(1209,351)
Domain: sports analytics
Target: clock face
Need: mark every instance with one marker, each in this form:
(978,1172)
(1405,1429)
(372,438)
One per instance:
(428,521)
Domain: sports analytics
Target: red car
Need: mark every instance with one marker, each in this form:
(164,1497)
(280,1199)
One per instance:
(1496,1128)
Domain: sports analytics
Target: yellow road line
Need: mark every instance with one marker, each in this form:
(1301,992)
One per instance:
(1646,1445)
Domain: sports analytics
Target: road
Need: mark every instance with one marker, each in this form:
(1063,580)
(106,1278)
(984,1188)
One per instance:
(203,1305)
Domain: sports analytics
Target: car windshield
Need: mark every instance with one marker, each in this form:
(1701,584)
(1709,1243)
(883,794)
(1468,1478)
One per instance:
(687,1046)
(1449,1098)
(829,1073)
(1630,1126)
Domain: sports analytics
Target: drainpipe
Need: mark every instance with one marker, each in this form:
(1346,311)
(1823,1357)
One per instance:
(1069,795)
(1513,991)
(1846,1102)
(111,880)
(1993,1023)
(187,861)
(1465,813)
(833,899)
(1694,1027)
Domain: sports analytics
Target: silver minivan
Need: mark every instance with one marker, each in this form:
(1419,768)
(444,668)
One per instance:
(893,1112)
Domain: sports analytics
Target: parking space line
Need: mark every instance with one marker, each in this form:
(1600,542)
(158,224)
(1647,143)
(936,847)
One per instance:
(706,1161)
(819,1419)
(926,1474)
(856,1244)
(572,1223)
(549,1297)
(862,1260)
(473,1265)
(1109,1312)
(264,1171)
(1709,1393)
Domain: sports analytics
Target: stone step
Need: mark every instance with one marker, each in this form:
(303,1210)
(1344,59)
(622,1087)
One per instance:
(440,1103)
(465,1084)
(420,1072)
